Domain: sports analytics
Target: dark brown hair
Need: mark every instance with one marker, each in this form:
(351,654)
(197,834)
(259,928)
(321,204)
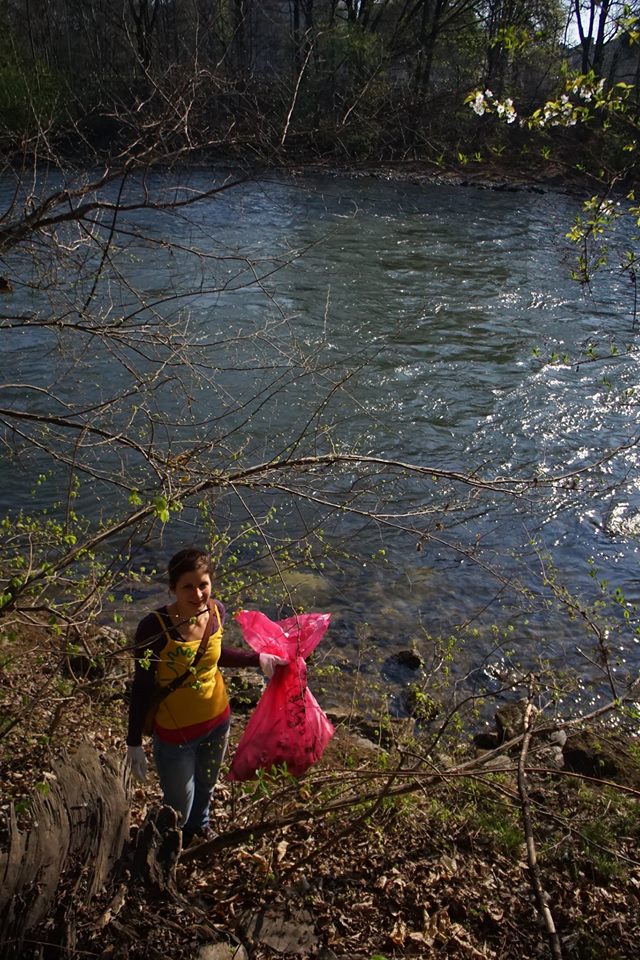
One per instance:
(186,561)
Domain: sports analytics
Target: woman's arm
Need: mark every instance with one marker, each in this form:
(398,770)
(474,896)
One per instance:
(149,636)
(230,657)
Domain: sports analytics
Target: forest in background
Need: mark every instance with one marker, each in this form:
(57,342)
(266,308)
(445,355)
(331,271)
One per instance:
(378,81)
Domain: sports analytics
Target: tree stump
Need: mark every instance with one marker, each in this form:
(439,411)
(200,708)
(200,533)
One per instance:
(157,848)
(65,857)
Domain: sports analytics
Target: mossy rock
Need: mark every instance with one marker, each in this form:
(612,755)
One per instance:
(510,720)
(603,756)
(100,658)
(408,658)
(420,705)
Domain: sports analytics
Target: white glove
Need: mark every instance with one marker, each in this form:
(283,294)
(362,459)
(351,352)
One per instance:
(137,760)
(269,661)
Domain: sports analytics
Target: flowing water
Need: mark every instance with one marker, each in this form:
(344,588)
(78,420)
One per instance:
(447,308)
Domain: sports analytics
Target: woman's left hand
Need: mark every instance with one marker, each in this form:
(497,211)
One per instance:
(269,661)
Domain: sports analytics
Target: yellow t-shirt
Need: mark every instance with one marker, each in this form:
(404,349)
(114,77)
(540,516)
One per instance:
(199,701)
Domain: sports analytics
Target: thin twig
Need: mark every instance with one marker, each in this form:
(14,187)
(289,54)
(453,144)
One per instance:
(295,94)
(542,897)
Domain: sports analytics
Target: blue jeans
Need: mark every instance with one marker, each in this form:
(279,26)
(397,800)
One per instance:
(188,773)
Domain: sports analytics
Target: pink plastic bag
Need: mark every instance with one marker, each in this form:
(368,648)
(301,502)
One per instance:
(288,725)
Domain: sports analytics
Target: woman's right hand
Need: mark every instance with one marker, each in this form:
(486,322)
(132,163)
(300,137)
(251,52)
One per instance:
(137,760)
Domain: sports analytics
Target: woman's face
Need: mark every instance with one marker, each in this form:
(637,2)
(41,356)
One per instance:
(192,591)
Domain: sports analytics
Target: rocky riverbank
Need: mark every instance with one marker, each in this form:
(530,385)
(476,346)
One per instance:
(535,177)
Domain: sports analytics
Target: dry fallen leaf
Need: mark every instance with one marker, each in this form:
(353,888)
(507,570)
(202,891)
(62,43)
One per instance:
(399,933)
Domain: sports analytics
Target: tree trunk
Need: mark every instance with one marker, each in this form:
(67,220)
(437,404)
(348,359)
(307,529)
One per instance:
(79,829)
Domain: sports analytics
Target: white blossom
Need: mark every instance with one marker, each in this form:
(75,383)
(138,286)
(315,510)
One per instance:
(478,105)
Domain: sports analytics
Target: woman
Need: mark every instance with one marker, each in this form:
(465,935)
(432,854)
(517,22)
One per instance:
(178,648)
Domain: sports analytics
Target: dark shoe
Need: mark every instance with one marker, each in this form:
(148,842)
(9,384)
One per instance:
(206,833)
(187,837)
(199,836)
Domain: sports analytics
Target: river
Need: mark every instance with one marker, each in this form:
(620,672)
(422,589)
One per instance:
(442,312)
